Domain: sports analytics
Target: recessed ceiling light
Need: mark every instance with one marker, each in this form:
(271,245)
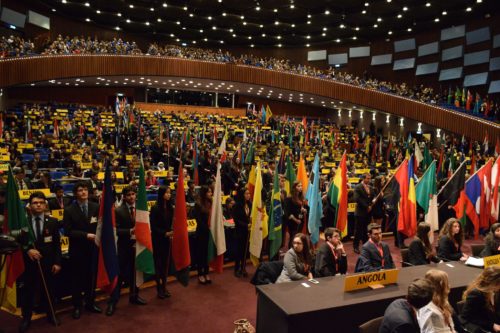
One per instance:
(276,22)
(409,29)
(389,32)
(147,23)
(244,23)
(375,25)
(428,4)
(53,9)
(131,6)
(152,9)
(293,25)
(251,45)
(342,26)
(278,37)
(128,21)
(357,29)
(308,22)
(444,12)
(263,35)
(249,37)
(231,30)
(117,28)
(209,18)
(468,9)
(327,12)
(325,28)
(222,42)
(338,40)
(178,22)
(242,17)
(436,19)
(354,37)
(119,14)
(98,11)
(292,6)
(224,14)
(185,8)
(400,16)
(405,8)
(87,4)
(275,10)
(261,26)
(165,4)
(363,12)
(159,19)
(257,8)
(479,1)
(379,19)
(87,19)
(323,34)
(63,1)
(191,14)
(308,37)
(205,39)
(279,45)
(308,15)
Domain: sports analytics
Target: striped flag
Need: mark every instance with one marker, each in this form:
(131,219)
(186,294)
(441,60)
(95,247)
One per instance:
(411,229)
(337,195)
(217,240)
(426,193)
(107,268)
(495,197)
(144,263)
(259,218)
(276,214)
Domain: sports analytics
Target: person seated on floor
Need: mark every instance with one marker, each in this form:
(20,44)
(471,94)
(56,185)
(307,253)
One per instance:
(401,315)
(298,261)
(451,238)
(420,251)
(481,310)
(331,258)
(492,241)
(437,316)
(375,254)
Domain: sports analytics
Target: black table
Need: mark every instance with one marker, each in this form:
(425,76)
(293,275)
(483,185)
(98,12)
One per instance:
(325,307)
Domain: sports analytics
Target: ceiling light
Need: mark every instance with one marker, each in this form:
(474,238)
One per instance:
(87,4)
(87,19)
(172,35)
(444,12)
(249,37)
(389,32)
(214,28)
(263,35)
(185,8)
(119,14)
(231,30)
(436,19)
(128,21)
(201,30)
(468,9)
(147,23)
(63,1)
(53,9)
(152,9)
(389,1)
(342,26)
(409,29)
(275,10)
(279,45)
(375,25)
(354,37)
(117,28)
(209,18)
(405,8)
(338,40)
(131,6)
(292,6)
(178,22)
(308,37)
(205,39)
(223,14)
(479,1)
(278,37)
(159,19)
(428,4)
(327,12)
(242,17)
(357,29)
(400,16)
(308,22)
(98,11)
(323,34)
(325,29)
(244,23)
(257,8)
(379,19)
(308,15)
(191,14)
(366,4)
(261,26)
(165,5)
(293,25)
(276,22)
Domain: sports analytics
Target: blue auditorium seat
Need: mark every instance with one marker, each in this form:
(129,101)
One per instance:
(27,157)
(57,174)
(68,187)
(151,196)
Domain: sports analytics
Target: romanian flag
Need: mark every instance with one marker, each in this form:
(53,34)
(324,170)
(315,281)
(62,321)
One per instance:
(144,264)
(180,241)
(411,228)
(259,218)
(107,268)
(14,222)
(217,240)
(337,195)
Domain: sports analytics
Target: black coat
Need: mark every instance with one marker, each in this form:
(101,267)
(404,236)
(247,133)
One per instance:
(124,223)
(161,223)
(370,259)
(49,244)
(416,254)
(77,227)
(447,250)
(363,200)
(475,315)
(326,264)
(399,318)
(54,204)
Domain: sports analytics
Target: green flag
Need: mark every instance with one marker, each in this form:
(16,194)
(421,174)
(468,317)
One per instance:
(426,195)
(290,176)
(275,215)
(427,158)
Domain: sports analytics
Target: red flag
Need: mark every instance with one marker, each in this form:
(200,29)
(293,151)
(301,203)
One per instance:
(180,241)
(400,196)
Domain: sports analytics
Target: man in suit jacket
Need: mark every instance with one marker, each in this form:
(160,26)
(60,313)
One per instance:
(401,315)
(331,258)
(125,226)
(375,254)
(363,195)
(59,202)
(80,223)
(22,182)
(46,249)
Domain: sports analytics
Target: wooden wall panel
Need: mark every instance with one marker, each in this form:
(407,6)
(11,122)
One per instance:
(33,69)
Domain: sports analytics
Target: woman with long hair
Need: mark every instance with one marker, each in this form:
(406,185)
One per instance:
(295,211)
(201,212)
(492,241)
(420,251)
(482,302)
(162,214)
(451,238)
(241,214)
(298,260)
(437,316)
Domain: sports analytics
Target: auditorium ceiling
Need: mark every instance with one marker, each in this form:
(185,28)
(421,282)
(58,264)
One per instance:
(273,23)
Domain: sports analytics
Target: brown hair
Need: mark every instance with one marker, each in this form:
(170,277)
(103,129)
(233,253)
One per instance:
(305,256)
(423,229)
(488,283)
(295,194)
(446,231)
(439,280)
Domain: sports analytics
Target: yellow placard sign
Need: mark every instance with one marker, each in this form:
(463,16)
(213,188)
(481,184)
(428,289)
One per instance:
(192,225)
(64,244)
(57,213)
(351,207)
(3,150)
(4,158)
(129,157)
(25,145)
(4,167)
(77,158)
(119,175)
(491,261)
(119,187)
(25,194)
(353,180)
(330,164)
(86,165)
(325,171)
(159,173)
(365,280)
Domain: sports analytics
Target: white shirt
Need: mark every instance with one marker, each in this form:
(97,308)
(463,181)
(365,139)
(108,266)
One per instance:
(33,223)
(431,320)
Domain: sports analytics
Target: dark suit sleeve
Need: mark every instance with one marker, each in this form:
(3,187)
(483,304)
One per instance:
(69,222)
(416,253)
(447,250)
(388,262)
(364,262)
(474,315)
(321,264)
(361,202)
(56,241)
(121,230)
(240,218)
(342,264)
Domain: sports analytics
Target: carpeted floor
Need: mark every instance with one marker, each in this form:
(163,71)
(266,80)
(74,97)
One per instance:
(197,308)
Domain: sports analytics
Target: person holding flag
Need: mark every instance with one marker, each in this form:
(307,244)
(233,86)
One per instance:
(201,213)
(363,195)
(242,219)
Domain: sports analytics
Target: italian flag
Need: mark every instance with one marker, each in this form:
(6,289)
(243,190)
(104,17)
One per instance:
(338,196)
(144,264)
(217,239)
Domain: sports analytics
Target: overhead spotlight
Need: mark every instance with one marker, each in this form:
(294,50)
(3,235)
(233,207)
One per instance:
(419,128)
(119,14)
(374,116)
(468,9)
(127,20)
(165,5)
(257,8)
(292,6)
(402,122)
(387,118)
(87,19)
(327,12)
(87,4)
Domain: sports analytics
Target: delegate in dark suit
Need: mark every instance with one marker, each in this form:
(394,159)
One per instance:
(371,260)
(399,317)
(447,249)
(47,242)
(363,195)
(82,251)
(327,264)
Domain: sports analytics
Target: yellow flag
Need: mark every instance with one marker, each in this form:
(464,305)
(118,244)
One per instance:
(259,228)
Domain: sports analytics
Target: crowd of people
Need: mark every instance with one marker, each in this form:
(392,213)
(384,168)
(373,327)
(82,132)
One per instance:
(15,46)
(77,140)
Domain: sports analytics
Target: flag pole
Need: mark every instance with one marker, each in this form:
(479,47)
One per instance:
(2,265)
(386,184)
(444,186)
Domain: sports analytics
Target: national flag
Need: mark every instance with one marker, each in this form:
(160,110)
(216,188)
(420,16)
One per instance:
(418,155)
(313,196)
(457,97)
(222,149)
(485,143)
(487,107)
(389,148)
(289,175)
(56,129)
(426,195)
(144,264)
(468,103)
(497,147)
(15,222)
(477,104)
(269,114)
(477,189)
(450,96)
(252,178)
(180,240)
(216,240)
(117,106)
(259,228)
(263,115)
(472,164)
(463,97)
(108,268)
(215,138)
(399,186)
(453,193)
(196,178)
(427,158)
(411,227)
(1,125)
(367,145)
(249,158)
(337,195)
(275,219)
(302,175)
(495,197)
(440,168)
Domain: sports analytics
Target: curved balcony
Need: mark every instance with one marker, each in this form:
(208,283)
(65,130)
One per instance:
(43,68)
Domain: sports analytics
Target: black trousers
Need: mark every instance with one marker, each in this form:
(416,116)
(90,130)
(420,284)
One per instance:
(83,277)
(32,290)
(241,249)
(202,252)
(161,254)
(126,263)
(361,230)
